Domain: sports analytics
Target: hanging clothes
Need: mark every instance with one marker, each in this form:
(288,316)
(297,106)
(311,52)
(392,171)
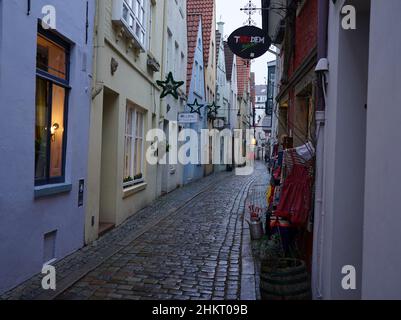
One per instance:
(296,191)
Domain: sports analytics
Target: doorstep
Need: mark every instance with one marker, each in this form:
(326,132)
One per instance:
(105,227)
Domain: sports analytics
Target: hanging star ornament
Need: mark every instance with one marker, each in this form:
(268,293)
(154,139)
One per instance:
(195,107)
(212,110)
(170,86)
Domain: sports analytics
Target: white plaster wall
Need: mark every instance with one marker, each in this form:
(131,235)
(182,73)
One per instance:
(340,228)
(381,258)
(176,23)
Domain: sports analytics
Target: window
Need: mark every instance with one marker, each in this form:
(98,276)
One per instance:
(196,77)
(170,65)
(200,79)
(213,53)
(134,146)
(51,108)
(132,14)
(177,59)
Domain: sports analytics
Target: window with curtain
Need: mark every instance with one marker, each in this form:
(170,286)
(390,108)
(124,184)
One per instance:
(51,100)
(134,146)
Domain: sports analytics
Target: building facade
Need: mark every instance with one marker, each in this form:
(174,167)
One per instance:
(295,35)
(126,104)
(232,83)
(358,220)
(196,96)
(174,61)
(207,9)
(222,119)
(45,92)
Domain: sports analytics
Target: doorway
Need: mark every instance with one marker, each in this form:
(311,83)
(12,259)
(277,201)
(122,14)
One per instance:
(109,165)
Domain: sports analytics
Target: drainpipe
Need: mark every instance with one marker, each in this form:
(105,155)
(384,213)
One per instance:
(321,69)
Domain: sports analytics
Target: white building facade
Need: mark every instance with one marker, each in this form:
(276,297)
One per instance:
(175,51)
(357,220)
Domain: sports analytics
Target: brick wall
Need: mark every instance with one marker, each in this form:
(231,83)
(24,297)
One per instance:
(306,32)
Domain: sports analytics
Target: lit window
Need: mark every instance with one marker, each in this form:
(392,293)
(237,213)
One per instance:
(134,147)
(51,111)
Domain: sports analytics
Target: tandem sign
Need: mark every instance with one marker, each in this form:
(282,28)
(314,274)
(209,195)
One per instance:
(249,42)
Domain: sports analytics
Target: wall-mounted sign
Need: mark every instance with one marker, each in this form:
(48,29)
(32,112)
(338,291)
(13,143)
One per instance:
(81,190)
(218,124)
(249,42)
(188,117)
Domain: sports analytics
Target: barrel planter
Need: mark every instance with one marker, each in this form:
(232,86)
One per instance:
(286,279)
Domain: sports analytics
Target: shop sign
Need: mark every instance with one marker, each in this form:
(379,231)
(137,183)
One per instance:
(249,42)
(188,117)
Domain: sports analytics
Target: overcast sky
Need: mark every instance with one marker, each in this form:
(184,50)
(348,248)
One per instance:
(229,12)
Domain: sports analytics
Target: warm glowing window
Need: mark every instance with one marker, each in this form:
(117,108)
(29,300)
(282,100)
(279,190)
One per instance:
(51,97)
(51,57)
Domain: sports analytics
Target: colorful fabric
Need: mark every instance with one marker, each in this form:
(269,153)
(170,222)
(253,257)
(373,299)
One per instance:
(295,195)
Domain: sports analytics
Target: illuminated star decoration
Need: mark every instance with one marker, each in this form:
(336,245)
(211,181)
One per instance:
(195,107)
(212,110)
(170,86)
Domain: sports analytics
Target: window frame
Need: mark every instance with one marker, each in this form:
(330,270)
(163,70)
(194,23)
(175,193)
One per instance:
(136,19)
(52,80)
(135,110)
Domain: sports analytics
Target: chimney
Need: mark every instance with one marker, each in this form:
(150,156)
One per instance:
(221,28)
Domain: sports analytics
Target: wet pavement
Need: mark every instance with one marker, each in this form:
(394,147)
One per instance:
(187,245)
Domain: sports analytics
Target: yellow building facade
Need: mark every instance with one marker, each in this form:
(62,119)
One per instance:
(125,105)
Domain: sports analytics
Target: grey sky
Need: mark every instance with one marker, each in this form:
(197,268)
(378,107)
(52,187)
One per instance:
(229,12)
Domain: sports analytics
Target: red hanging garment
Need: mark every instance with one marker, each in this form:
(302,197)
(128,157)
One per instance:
(295,199)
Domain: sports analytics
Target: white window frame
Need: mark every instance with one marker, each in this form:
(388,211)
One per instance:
(134,136)
(137,19)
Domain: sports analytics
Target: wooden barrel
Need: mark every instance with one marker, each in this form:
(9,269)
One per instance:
(287,279)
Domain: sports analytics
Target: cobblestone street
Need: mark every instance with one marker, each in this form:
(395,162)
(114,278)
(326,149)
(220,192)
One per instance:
(187,245)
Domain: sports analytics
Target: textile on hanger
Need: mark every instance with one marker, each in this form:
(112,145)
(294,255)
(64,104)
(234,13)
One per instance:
(306,152)
(295,194)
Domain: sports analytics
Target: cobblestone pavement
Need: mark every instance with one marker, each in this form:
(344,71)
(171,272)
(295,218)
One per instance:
(186,245)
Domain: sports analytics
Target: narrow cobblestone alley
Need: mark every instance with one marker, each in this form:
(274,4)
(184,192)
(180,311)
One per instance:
(187,245)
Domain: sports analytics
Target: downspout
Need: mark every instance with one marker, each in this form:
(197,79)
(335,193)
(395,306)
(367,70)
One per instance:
(98,84)
(160,120)
(318,242)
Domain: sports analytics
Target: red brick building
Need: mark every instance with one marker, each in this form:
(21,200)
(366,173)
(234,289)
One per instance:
(294,31)
(296,92)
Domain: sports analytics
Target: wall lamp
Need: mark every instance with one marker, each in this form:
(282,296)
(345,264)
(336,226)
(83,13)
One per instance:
(53,130)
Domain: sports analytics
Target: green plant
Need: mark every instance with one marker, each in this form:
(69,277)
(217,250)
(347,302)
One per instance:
(271,249)
(128,179)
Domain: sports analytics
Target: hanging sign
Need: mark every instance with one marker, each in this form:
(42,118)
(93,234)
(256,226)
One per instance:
(188,117)
(249,42)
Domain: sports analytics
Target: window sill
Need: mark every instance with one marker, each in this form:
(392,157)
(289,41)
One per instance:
(51,190)
(130,191)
